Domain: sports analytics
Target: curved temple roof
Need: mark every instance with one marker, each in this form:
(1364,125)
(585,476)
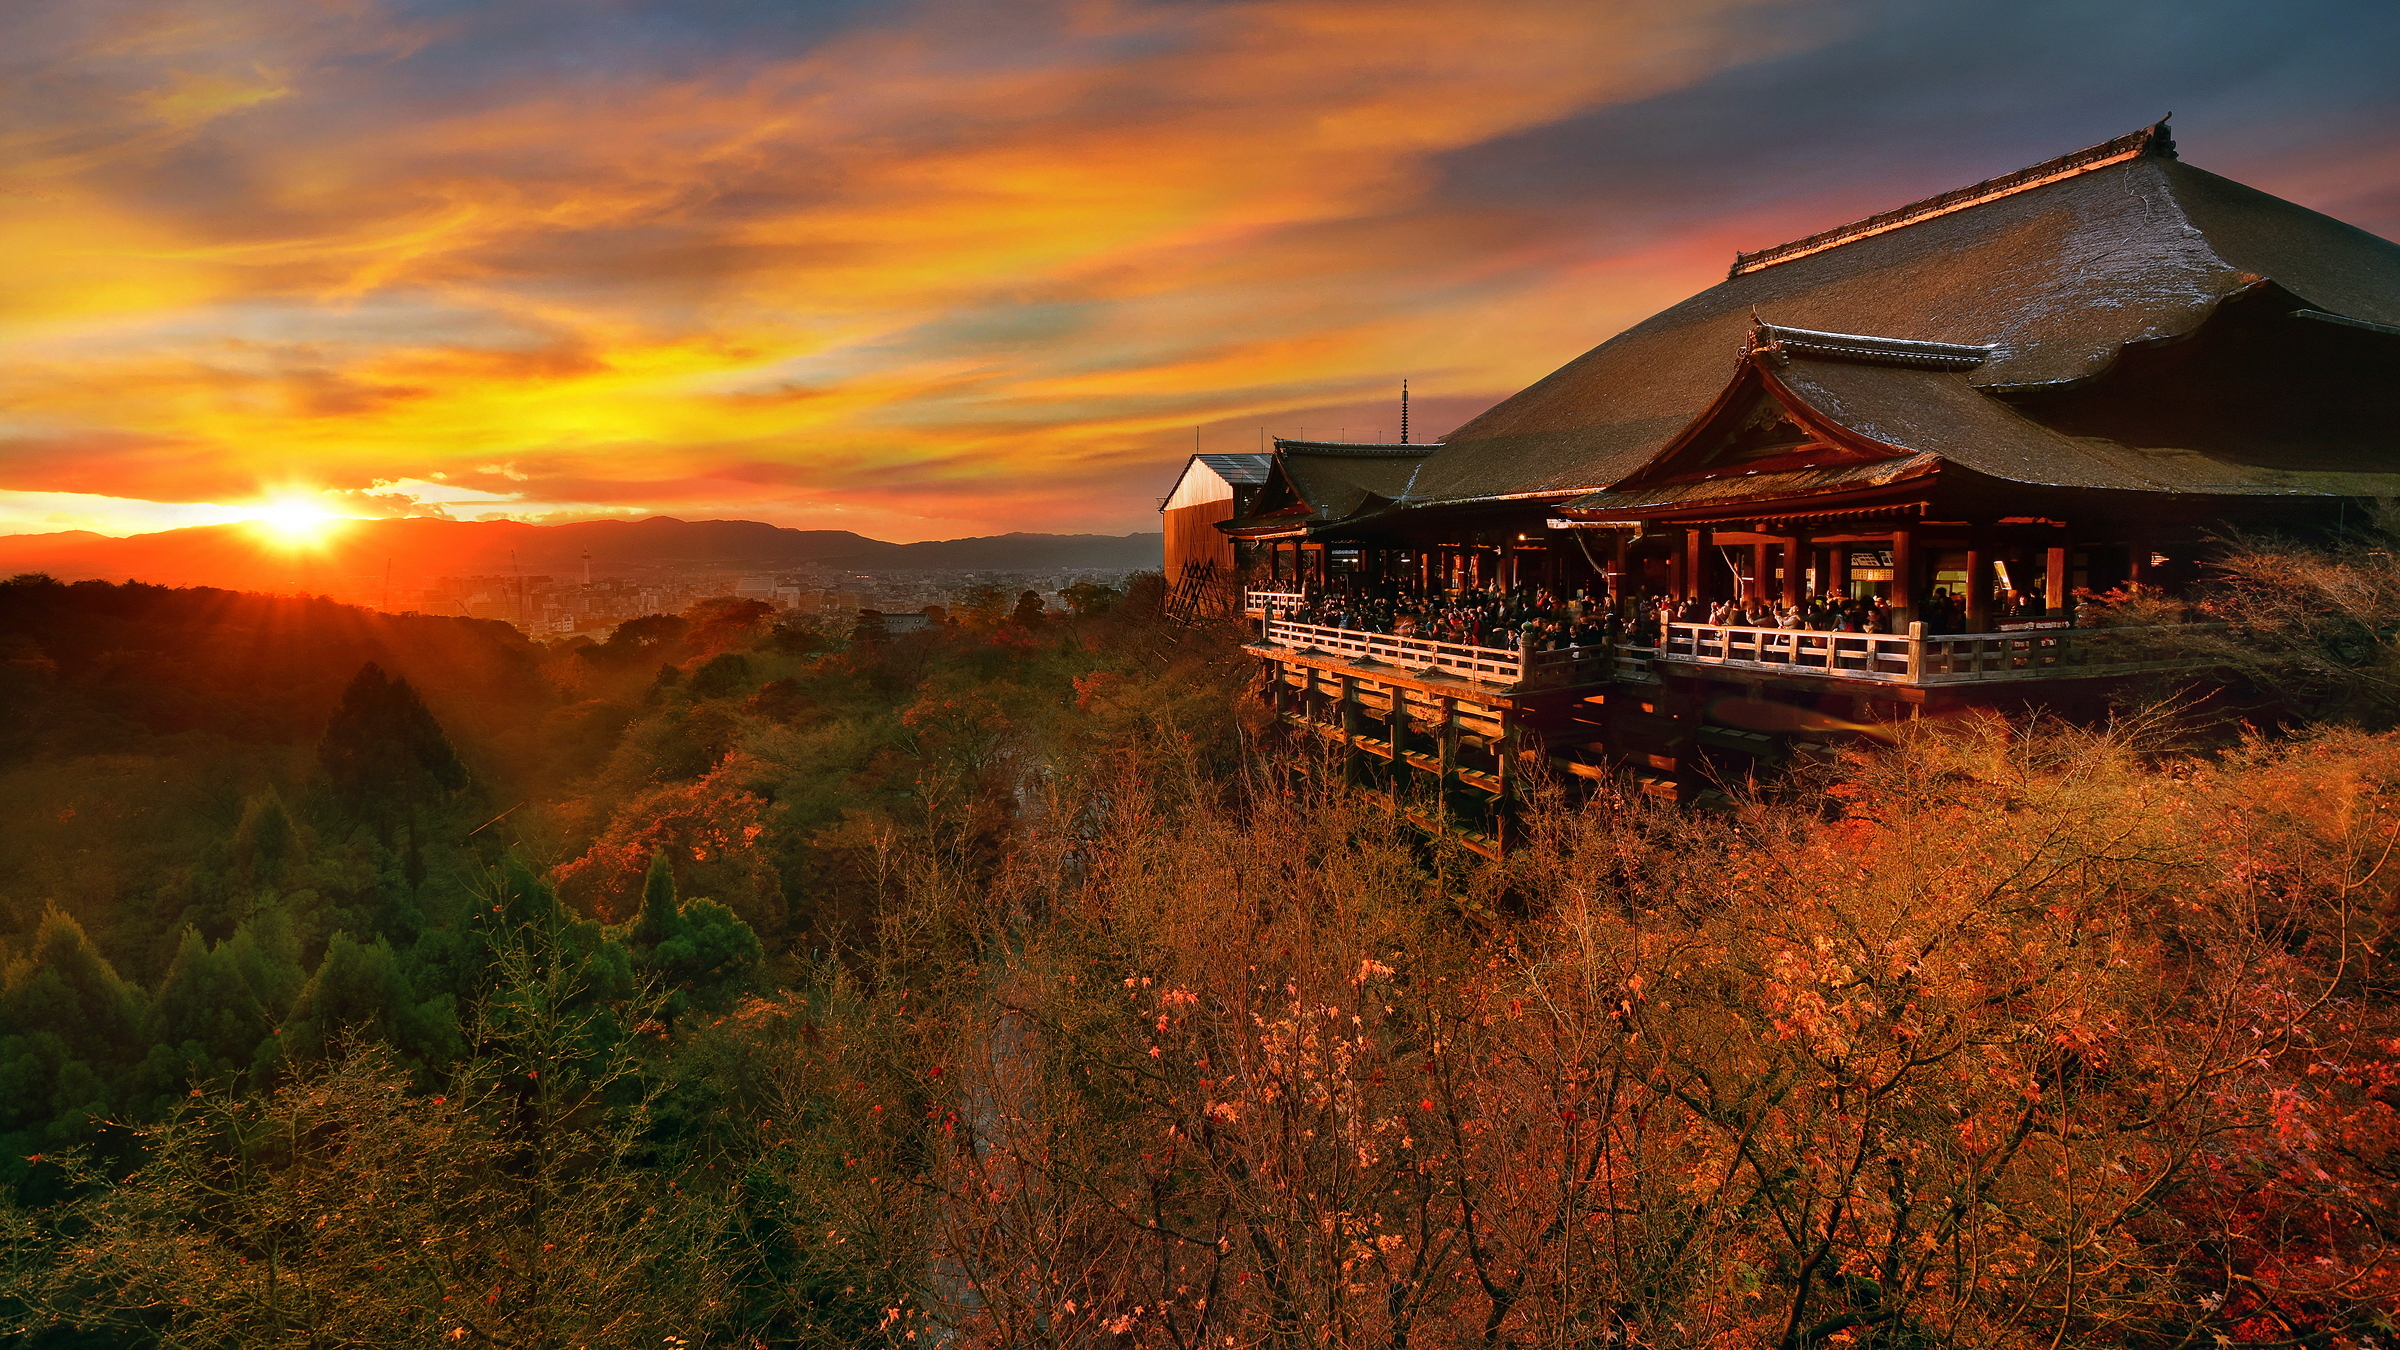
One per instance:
(2050,274)
(1320,481)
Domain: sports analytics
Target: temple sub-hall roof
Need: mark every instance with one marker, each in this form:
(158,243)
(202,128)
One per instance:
(1319,481)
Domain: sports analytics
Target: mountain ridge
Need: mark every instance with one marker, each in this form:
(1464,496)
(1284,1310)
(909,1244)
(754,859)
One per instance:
(412,550)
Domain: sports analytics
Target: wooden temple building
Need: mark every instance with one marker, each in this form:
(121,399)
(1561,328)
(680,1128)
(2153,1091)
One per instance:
(1975,407)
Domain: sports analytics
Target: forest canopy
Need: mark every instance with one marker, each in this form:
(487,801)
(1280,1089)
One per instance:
(746,979)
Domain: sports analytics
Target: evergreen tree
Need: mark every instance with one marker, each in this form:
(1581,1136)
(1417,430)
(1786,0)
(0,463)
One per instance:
(70,1028)
(216,1007)
(698,948)
(1028,613)
(524,903)
(361,991)
(545,965)
(384,753)
(266,845)
(659,919)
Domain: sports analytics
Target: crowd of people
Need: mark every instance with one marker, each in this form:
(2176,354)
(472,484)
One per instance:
(1819,614)
(1477,618)
(1508,617)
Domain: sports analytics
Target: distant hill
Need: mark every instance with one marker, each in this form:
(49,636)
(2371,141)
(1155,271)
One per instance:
(355,558)
(1017,552)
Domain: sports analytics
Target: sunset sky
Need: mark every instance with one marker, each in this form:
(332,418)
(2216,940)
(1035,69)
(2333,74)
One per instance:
(924,270)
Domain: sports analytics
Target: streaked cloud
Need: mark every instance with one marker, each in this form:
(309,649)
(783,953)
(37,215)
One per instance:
(944,268)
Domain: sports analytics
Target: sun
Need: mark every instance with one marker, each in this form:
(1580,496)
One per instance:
(295,520)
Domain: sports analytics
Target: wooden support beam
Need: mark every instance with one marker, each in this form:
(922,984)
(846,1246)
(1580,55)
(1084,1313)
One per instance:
(1904,577)
(1346,717)
(1979,586)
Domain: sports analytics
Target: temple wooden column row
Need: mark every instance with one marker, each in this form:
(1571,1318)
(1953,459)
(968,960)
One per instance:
(1436,568)
(1757,567)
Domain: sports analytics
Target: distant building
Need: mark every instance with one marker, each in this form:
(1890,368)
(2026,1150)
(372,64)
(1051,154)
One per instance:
(1211,490)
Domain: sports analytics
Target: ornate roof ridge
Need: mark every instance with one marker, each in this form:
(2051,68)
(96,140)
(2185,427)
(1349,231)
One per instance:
(2150,142)
(1769,339)
(1358,449)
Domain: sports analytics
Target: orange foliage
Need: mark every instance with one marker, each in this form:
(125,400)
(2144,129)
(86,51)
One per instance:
(712,832)
(2041,1043)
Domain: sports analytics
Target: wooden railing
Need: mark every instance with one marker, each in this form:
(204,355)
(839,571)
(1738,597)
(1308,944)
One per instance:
(1523,666)
(1948,658)
(1886,658)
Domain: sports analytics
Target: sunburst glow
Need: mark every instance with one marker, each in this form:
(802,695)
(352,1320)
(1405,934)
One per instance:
(295,520)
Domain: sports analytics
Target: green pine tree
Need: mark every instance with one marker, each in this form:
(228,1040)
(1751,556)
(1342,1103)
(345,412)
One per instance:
(361,991)
(70,1032)
(383,753)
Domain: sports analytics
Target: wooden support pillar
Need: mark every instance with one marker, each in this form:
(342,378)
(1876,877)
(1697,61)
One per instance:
(1346,717)
(2054,584)
(1837,570)
(1619,545)
(2137,558)
(1449,762)
(1762,582)
(1979,585)
(1504,754)
(1904,577)
(1695,570)
(1795,570)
